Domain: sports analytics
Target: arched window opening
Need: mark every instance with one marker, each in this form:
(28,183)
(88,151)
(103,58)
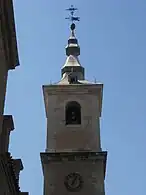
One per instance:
(73,113)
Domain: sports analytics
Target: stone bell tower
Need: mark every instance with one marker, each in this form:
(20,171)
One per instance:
(73,161)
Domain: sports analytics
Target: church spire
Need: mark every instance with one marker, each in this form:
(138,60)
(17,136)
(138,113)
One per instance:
(72,64)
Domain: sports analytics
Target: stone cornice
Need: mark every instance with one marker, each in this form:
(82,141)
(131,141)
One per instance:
(8,122)
(72,89)
(72,156)
(7,126)
(9,171)
(48,157)
(8,33)
(18,166)
(11,168)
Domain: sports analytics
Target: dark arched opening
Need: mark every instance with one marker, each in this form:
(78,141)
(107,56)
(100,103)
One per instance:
(73,113)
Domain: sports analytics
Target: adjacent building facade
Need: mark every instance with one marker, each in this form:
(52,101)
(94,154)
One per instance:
(73,160)
(8,49)
(9,167)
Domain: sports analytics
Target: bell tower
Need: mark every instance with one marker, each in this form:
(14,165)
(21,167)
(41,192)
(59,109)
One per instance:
(73,160)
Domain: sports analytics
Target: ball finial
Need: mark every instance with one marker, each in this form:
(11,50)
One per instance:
(73,26)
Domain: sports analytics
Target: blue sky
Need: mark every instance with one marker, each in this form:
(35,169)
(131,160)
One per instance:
(112,37)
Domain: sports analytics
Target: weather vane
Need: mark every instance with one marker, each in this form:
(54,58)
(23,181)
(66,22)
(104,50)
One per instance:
(72,18)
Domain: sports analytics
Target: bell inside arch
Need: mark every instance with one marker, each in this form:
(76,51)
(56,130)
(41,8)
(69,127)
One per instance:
(73,113)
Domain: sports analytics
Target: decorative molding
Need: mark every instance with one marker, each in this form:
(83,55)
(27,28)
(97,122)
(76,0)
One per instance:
(8,167)
(88,154)
(72,89)
(74,156)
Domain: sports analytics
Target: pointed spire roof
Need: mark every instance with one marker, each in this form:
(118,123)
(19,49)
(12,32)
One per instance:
(72,61)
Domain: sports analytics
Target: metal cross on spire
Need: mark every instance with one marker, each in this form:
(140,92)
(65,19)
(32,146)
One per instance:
(72,18)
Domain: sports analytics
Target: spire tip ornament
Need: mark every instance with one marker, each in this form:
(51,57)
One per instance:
(73,26)
(72,48)
(72,18)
